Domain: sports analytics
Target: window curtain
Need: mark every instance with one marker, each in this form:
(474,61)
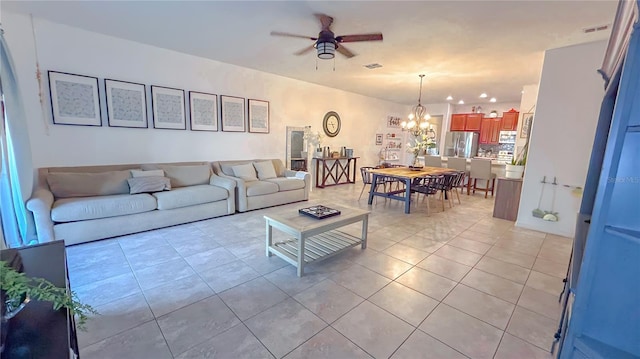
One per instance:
(16,168)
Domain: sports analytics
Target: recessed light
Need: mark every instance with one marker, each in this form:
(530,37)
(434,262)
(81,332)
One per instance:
(461,102)
(483,95)
(493,99)
(449,98)
(522,91)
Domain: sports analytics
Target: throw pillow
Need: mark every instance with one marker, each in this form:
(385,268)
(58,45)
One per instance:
(148,184)
(246,172)
(154,173)
(265,170)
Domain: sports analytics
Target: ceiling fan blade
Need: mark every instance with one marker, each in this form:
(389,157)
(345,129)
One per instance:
(360,37)
(305,50)
(278,33)
(346,52)
(325,20)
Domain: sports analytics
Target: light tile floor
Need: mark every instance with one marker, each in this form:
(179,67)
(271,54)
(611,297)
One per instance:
(453,284)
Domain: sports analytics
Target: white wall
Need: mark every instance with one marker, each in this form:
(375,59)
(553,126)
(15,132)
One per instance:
(67,49)
(566,113)
(500,107)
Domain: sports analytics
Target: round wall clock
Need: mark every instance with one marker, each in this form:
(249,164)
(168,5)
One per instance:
(331,124)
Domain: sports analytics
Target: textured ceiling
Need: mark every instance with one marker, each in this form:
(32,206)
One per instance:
(464,47)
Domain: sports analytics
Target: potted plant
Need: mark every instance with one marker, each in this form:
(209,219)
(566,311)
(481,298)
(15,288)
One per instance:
(516,168)
(17,290)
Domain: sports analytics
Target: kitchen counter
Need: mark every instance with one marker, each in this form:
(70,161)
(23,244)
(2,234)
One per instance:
(497,167)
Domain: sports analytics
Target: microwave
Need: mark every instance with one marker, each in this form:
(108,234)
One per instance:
(507,137)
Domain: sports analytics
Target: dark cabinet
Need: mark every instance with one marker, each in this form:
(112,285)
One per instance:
(38,331)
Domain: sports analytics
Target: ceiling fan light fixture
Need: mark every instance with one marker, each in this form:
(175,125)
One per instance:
(326,50)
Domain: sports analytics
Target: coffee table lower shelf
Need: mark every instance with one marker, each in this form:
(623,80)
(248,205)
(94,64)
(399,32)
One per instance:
(316,248)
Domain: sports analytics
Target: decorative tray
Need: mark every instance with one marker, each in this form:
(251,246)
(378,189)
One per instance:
(319,212)
(416,168)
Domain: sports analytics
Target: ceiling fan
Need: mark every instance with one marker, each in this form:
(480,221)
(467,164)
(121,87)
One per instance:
(327,43)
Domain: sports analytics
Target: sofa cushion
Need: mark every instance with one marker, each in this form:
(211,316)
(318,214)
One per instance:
(189,196)
(148,184)
(150,173)
(265,170)
(259,188)
(182,176)
(246,172)
(84,208)
(287,184)
(67,185)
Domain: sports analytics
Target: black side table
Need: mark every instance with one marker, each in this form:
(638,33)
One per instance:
(38,331)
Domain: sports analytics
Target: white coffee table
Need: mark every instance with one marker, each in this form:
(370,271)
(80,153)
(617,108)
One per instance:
(317,239)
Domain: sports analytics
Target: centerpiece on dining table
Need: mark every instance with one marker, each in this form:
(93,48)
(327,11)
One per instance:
(422,142)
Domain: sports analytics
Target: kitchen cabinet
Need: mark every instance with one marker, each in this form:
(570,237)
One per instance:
(458,121)
(495,130)
(509,121)
(473,122)
(485,130)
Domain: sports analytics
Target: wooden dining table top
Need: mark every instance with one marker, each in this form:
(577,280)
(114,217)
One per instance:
(405,172)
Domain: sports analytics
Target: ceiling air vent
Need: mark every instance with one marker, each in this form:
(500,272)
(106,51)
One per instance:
(373,66)
(595,29)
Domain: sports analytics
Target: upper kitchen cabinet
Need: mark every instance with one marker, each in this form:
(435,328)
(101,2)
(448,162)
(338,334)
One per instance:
(496,124)
(509,121)
(458,121)
(474,121)
(466,122)
(485,130)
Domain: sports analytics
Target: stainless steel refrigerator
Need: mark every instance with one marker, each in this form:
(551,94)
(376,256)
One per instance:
(461,144)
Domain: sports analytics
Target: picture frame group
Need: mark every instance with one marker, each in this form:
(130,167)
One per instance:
(75,100)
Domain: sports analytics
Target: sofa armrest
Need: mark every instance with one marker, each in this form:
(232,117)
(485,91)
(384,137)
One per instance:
(40,205)
(306,176)
(240,192)
(225,183)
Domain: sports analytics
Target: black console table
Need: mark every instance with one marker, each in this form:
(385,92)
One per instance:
(334,171)
(38,331)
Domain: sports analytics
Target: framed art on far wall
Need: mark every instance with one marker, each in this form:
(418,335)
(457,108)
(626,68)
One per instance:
(204,111)
(168,108)
(258,116)
(75,99)
(378,139)
(232,113)
(126,104)
(527,120)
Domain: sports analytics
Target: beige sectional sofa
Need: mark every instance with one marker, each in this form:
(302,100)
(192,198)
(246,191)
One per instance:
(81,204)
(264,183)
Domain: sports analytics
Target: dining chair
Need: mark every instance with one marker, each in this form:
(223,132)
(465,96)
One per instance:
(428,186)
(367,179)
(459,164)
(481,170)
(433,161)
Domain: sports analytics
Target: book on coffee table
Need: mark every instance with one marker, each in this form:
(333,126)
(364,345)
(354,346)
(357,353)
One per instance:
(319,212)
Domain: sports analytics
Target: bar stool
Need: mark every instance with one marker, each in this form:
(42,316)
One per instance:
(481,170)
(433,161)
(459,164)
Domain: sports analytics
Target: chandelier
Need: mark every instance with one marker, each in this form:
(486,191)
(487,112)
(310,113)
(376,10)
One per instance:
(418,118)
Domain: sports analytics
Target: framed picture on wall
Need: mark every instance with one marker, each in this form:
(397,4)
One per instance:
(393,121)
(168,108)
(258,116)
(75,99)
(232,114)
(204,111)
(379,137)
(527,120)
(126,104)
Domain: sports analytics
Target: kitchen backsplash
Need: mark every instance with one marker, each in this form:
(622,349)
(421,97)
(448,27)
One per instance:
(485,150)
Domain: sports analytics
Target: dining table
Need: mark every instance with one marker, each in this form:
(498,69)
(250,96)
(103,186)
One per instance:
(405,174)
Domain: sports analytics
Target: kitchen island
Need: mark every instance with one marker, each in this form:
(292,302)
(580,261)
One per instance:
(497,167)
